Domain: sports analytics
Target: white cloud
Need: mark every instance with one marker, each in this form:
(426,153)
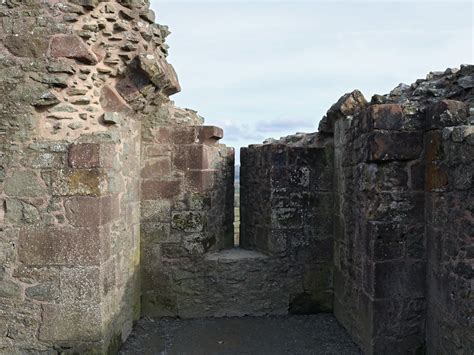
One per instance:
(245,64)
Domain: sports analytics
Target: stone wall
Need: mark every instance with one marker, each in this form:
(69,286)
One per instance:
(116,203)
(380,255)
(70,183)
(87,131)
(449,217)
(187,210)
(400,204)
(70,244)
(286,211)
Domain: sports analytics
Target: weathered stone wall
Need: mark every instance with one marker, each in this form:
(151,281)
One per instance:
(286,211)
(187,210)
(449,214)
(383,233)
(70,244)
(69,187)
(401,209)
(100,173)
(85,88)
(379,232)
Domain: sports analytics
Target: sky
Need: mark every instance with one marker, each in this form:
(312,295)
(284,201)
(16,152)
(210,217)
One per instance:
(263,68)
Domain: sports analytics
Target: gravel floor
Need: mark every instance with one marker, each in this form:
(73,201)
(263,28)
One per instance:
(315,334)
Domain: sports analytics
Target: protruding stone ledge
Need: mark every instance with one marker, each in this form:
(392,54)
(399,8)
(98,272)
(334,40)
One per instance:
(160,73)
(178,135)
(235,255)
(72,46)
(209,135)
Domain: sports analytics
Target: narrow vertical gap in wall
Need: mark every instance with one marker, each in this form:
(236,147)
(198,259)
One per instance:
(237,206)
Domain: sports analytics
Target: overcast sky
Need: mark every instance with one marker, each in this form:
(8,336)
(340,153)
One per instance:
(264,68)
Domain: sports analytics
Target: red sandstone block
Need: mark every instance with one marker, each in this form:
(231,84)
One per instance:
(231,153)
(163,135)
(71,323)
(176,135)
(385,241)
(417,176)
(92,211)
(158,150)
(209,135)
(111,101)
(406,207)
(384,146)
(71,46)
(27,45)
(91,155)
(192,156)
(60,246)
(184,135)
(109,280)
(159,189)
(200,180)
(398,318)
(85,155)
(155,168)
(386,116)
(216,157)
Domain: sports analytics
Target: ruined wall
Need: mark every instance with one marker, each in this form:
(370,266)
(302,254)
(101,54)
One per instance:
(85,88)
(401,207)
(449,209)
(384,279)
(379,250)
(70,197)
(187,211)
(286,211)
(70,247)
(100,173)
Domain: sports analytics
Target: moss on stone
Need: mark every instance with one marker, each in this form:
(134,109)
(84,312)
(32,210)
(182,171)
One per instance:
(188,221)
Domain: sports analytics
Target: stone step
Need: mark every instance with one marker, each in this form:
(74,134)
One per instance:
(235,255)
(235,283)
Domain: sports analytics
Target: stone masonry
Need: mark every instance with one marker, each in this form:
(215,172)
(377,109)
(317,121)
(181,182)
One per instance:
(286,211)
(399,198)
(99,173)
(116,204)
(187,212)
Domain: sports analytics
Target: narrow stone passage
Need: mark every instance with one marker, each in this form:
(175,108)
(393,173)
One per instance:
(316,334)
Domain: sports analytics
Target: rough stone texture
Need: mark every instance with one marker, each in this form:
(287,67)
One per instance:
(111,197)
(78,112)
(379,270)
(291,219)
(312,334)
(449,226)
(402,193)
(187,212)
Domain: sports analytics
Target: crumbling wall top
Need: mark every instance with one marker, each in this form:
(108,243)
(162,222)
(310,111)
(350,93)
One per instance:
(82,66)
